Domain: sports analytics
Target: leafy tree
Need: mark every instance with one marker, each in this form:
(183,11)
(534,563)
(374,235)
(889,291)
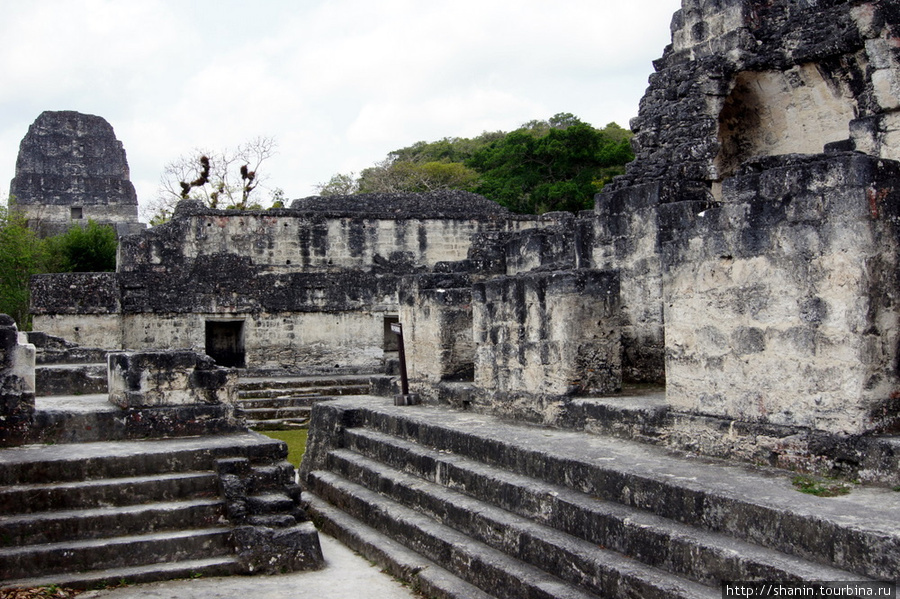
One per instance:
(554,165)
(409,176)
(22,254)
(91,248)
(224,179)
(557,164)
(340,184)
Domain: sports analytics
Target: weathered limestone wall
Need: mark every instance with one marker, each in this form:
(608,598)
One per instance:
(781,303)
(626,234)
(81,307)
(168,378)
(436,314)
(546,334)
(742,78)
(71,168)
(17,362)
(300,341)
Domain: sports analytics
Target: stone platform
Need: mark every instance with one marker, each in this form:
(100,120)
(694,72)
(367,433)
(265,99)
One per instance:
(466,505)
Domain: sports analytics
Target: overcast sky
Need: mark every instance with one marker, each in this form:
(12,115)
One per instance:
(337,83)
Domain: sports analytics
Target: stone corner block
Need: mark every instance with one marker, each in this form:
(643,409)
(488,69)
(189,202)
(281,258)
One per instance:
(168,378)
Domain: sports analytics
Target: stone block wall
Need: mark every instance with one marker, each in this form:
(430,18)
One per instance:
(17,362)
(781,303)
(546,334)
(436,314)
(154,379)
(82,307)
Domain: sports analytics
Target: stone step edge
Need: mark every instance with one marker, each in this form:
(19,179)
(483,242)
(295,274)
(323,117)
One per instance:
(615,571)
(790,526)
(109,522)
(99,579)
(685,539)
(193,451)
(97,554)
(108,482)
(423,575)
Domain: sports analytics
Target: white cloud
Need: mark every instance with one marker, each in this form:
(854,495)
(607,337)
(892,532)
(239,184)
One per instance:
(339,83)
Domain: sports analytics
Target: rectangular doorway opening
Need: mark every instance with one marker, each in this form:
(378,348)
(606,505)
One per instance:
(225,342)
(390,337)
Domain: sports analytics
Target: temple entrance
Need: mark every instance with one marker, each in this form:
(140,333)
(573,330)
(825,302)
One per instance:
(225,342)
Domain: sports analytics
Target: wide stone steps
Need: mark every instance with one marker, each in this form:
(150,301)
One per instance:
(91,513)
(495,551)
(67,525)
(106,553)
(533,509)
(589,509)
(118,491)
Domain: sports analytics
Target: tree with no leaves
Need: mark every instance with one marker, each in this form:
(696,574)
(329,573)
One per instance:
(224,179)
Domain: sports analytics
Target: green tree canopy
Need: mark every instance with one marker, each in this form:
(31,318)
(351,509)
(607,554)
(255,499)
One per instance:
(560,166)
(22,254)
(557,164)
(91,248)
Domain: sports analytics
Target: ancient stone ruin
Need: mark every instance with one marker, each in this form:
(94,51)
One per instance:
(722,325)
(71,168)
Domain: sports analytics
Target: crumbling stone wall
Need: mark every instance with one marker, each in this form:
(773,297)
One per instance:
(310,286)
(740,79)
(71,168)
(84,308)
(436,314)
(543,335)
(782,303)
(17,360)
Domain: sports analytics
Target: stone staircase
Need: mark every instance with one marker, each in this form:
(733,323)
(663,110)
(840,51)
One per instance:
(465,505)
(87,515)
(279,403)
(66,368)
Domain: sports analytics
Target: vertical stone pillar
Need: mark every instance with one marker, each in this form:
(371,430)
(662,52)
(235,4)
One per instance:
(16,384)
(544,335)
(436,314)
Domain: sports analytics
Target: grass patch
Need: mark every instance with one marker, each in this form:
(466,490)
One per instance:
(296,442)
(821,487)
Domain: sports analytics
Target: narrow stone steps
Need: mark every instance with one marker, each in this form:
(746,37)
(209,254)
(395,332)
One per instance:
(301,392)
(278,424)
(567,525)
(31,498)
(97,579)
(285,403)
(277,413)
(288,401)
(99,522)
(116,552)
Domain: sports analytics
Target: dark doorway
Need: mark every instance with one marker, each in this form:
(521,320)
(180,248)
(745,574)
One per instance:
(390,337)
(225,342)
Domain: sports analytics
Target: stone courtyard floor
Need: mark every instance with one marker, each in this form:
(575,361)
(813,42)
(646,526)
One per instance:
(345,576)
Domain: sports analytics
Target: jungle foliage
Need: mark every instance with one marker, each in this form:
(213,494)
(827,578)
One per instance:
(543,166)
(91,248)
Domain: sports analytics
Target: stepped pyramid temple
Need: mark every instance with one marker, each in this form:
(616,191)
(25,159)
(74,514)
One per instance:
(624,402)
